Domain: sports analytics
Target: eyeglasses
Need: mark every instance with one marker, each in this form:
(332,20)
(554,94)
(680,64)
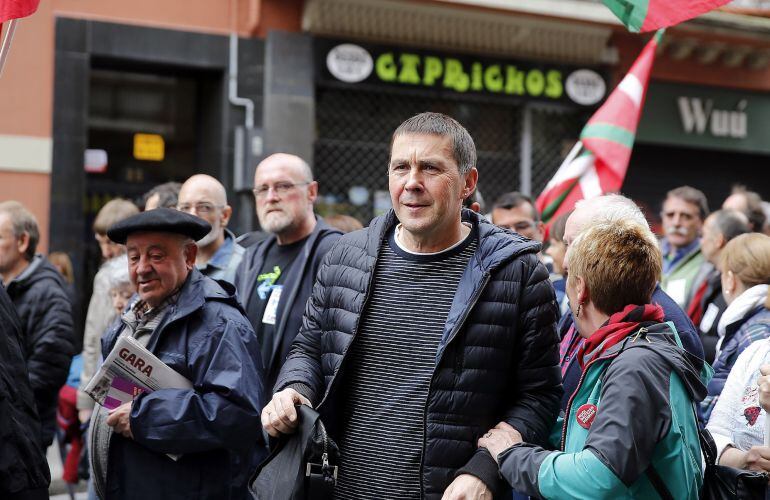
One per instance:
(202,207)
(279,188)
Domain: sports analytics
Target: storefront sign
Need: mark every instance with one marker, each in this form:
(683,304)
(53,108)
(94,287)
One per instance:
(705,117)
(150,147)
(699,116)
(369,65)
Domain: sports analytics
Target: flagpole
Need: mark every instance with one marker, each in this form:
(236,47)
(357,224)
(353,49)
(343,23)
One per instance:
(572,153)
(6,46)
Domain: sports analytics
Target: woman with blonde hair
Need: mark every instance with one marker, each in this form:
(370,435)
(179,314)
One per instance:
(629,430)
(745,267)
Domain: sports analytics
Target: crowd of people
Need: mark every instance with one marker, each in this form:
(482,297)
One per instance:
(450,354)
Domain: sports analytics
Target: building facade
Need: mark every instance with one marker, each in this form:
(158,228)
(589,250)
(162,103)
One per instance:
(104,99)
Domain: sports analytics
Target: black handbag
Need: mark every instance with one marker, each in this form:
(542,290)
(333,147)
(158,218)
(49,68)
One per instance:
(722,482)
(302,466)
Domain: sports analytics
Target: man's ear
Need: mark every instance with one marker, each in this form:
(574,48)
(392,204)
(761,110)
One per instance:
(22,243)
(312,191)
(190,252)
(227,212)
(471,178)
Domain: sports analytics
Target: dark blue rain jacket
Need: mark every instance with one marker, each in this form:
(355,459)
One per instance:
(215,426)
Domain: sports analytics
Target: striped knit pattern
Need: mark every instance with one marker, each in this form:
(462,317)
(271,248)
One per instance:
(389,369)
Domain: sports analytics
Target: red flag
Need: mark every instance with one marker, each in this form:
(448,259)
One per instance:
(599,161)
(15,9)
(650,15)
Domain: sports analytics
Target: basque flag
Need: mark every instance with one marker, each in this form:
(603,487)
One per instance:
(641,16)
(15,9)
(599,161)
(11,10)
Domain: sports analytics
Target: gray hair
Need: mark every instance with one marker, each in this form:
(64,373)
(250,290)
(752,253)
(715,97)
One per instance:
(692,196)
(116,271)
(612,208)
(730,223)
(463,147)
(22,221)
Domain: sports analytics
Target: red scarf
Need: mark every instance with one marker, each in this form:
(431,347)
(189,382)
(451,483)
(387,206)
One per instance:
(618,327)
(695,310)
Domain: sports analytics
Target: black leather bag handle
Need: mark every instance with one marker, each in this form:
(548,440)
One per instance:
(292,471)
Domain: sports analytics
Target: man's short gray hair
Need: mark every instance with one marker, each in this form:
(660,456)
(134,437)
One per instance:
(22,221)
(730,223)
(116,271)
(463,147)
(610,208)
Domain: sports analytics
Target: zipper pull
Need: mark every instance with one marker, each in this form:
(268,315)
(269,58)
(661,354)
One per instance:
(642,332)
(325,461)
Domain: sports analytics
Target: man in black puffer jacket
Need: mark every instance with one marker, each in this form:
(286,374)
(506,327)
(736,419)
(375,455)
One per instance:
(422,332)
(23,468)
(39,294)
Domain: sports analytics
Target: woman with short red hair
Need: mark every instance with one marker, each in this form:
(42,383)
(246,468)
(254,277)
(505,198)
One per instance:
(629,430)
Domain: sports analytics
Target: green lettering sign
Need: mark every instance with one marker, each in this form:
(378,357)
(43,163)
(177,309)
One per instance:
(433,70)
(477,83)
(553,86)
(535,82)
(409,65)
(454,76)
(386,67)
(493,78)
(514,81)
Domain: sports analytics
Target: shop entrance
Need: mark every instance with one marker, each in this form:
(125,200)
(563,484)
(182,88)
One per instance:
(146,127)
(173,113)
(112,81)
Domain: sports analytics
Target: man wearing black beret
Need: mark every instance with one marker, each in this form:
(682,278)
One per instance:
(196,326)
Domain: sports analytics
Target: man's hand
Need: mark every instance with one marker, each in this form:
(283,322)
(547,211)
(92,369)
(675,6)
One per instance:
(120,420)
(467,487)
(764,387)
(280,416)
(499,439)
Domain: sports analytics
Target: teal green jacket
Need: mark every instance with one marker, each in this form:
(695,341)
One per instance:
(633,408)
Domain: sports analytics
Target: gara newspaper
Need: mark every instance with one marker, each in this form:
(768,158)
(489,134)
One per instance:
(129,370)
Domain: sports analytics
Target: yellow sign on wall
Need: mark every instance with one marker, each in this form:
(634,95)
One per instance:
(150,147)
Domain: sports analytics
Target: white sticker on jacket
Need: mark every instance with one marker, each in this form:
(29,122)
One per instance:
(677,290)
(708,317)
(272,305)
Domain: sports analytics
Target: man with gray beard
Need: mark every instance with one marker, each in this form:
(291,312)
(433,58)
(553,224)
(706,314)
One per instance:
(277,274)
(218,253)
(684,210)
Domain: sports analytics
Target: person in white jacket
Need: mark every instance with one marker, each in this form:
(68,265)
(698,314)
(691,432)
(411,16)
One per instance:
(738,420)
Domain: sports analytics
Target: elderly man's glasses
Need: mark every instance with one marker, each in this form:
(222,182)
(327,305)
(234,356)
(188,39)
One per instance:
(279,188)
(202,208)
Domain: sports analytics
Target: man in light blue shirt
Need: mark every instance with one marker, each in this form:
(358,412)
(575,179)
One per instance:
(218,253)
